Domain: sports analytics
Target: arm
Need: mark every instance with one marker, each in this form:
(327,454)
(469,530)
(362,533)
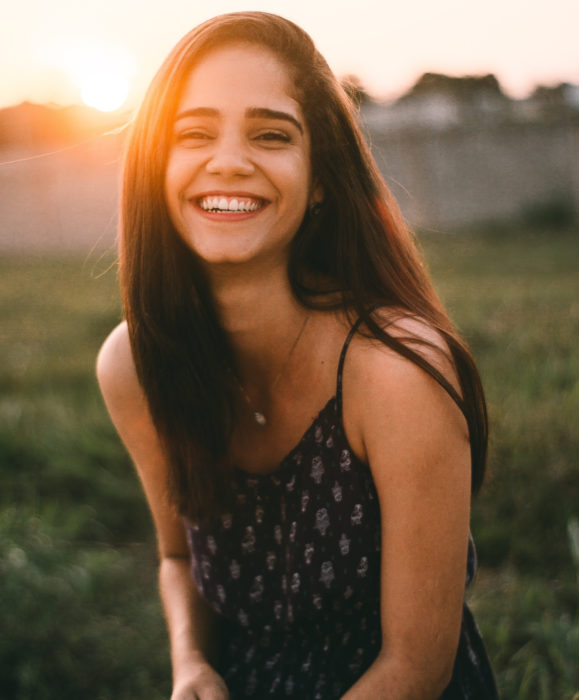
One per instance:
(416,442)
(189,620)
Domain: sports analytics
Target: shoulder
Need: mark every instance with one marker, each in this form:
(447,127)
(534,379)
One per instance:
(370,361)
(126,401)
(369,358)
(388,397)
(116,373)
(421,337)
(115,360)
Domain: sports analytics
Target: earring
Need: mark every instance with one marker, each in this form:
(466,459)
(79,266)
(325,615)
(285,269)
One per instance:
(315,209)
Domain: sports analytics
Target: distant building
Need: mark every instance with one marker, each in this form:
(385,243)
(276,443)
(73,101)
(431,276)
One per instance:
(440,101)
(550,101)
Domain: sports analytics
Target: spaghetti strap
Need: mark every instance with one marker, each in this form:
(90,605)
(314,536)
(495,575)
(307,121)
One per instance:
(349,337)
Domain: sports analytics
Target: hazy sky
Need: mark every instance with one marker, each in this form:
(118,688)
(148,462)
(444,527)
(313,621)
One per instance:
(387,44)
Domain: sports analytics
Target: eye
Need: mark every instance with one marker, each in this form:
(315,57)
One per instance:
(192,137)
(273,136)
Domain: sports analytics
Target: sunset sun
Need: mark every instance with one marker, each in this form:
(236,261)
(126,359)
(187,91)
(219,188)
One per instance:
(104,91)
(102,73)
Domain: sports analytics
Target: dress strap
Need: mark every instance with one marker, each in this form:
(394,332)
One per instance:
(349,337)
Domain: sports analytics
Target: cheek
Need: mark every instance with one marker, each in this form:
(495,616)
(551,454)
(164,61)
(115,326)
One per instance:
(296,174)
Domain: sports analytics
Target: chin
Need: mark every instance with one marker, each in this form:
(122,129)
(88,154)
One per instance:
(225,257)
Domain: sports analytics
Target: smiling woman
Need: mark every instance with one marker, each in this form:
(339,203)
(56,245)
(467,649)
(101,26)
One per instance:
(307,424)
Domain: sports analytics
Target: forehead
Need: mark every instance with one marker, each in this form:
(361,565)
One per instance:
(236,76)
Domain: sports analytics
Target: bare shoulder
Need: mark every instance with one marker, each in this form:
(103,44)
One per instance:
(115,354)
(372,358)
(389,397)
(381,374)
(421,337)
(116,372)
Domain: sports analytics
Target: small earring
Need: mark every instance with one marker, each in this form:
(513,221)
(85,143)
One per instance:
(315,209)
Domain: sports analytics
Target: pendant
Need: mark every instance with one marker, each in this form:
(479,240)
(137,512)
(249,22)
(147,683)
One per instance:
(259,418)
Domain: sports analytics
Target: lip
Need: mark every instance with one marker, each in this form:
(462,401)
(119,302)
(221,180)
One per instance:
(229,193)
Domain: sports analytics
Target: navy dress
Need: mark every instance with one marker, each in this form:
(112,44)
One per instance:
(294,575)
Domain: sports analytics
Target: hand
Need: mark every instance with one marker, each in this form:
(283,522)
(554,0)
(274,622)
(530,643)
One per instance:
(202,683)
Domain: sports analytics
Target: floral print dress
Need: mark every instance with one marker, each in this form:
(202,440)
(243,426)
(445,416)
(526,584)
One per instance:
(293,572)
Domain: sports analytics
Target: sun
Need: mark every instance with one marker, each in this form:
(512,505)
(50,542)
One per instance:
(105,92)
(101,72)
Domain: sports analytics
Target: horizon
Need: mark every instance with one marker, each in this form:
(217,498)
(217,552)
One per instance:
(128,107)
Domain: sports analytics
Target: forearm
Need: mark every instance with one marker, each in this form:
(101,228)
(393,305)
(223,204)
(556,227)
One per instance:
(389,678)
(189,620)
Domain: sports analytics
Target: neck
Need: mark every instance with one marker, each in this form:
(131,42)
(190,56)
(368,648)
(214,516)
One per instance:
(259,312)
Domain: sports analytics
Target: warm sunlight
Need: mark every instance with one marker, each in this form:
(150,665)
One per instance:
(101,72)
(105,92)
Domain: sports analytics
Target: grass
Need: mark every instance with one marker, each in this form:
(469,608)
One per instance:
(515,298)
(80,614)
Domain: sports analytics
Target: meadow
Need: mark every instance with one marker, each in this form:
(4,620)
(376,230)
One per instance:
(80,615)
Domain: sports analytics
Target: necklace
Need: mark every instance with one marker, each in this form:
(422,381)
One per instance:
(259,416)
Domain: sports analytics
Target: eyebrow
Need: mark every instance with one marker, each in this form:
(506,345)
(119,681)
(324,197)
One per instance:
(265,113)
(250,112)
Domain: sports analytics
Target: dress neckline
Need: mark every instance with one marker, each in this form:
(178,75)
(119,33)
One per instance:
(334,402)
(289,457)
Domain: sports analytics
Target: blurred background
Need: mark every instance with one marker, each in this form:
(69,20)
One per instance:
(473,116)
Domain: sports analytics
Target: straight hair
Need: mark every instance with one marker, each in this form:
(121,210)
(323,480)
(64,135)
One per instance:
(357,254)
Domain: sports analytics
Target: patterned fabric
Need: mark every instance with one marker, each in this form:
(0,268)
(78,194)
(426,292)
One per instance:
(294,574)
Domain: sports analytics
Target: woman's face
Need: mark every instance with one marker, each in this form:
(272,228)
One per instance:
(238,178)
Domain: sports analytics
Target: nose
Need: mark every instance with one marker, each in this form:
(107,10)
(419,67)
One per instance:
(230,157)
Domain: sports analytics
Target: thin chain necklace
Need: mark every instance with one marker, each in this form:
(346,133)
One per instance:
(259,416)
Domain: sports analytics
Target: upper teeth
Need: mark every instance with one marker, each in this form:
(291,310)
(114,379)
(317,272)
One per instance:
(226,204)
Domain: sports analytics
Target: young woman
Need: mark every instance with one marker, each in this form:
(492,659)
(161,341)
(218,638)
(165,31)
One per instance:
(307,425)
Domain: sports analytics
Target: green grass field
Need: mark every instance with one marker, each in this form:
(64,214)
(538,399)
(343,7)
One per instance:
(80,615)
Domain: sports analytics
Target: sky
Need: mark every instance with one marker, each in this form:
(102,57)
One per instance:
(47,48)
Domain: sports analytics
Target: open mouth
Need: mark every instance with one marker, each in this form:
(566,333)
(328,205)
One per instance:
(230,205)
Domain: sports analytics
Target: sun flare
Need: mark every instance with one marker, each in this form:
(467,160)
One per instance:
(101,72)
(105,92)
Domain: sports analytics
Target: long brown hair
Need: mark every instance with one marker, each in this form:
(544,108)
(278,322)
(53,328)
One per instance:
(358,241)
